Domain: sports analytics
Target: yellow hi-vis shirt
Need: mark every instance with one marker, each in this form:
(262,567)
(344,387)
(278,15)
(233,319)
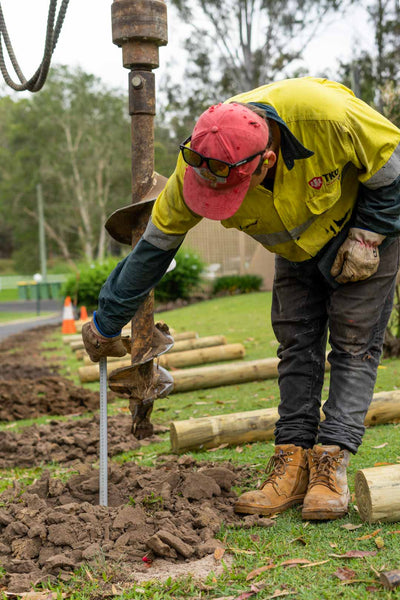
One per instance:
(313,200)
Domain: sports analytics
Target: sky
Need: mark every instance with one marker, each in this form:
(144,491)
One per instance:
(86,40)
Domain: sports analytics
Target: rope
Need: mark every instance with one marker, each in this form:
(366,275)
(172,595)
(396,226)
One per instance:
(36,82)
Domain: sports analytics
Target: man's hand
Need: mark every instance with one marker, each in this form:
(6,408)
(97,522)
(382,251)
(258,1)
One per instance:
(358,256)
(98,345)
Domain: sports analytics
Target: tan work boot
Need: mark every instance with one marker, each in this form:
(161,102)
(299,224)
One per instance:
(328,493)
(285,486)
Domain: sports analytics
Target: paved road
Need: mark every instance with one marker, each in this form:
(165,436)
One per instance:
(19,325)
(26,306)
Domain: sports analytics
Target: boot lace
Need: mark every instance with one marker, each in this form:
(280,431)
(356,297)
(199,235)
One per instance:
(325,466)
(276,467)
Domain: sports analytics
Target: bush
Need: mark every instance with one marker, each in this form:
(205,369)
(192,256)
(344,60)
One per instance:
(84,286)
(183,280)
(237,284)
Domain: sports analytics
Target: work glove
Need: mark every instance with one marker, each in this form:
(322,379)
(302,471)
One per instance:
(358,256)
(98,345)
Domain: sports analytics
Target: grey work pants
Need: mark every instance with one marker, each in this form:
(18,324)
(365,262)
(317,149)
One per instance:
(304,309)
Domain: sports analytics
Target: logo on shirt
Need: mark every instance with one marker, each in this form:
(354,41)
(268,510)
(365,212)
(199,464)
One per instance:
(316,183)
(327,178)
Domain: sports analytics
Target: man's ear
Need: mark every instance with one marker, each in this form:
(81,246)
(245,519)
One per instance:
(269,158)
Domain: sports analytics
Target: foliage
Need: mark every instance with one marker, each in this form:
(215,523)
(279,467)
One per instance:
(376,67)
(183,279)
(237,284)
(74,139)
(237,45)
(6,266)
(391,102)
(84,285)
(166,148)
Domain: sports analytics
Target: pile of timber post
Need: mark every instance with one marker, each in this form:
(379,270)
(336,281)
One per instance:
(259,425)
(173,361)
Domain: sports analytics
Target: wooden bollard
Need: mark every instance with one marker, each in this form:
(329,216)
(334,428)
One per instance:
(377,492)
(175,360)
(201,356)
(196,343)
(384,408)
(77,344)
(72,337)
(179,346)
(200,378)
(258,425)
(184,335)
(236,428)
(390,579)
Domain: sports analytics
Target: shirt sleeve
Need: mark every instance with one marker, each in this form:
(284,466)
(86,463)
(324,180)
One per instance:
(129,283)
(375,150)
(379,209)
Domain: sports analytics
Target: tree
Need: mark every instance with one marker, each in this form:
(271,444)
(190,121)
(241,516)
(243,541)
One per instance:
(238,45)
(74,138)
(377,66)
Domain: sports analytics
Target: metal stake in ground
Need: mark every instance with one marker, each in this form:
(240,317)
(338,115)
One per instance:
(103,489)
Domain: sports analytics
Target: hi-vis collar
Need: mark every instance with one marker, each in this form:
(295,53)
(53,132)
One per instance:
(291,148)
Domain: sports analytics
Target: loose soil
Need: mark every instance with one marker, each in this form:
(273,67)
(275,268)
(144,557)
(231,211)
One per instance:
(30,384)
(160,520)
(68,442)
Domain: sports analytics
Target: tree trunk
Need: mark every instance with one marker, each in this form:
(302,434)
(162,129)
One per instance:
(55,236)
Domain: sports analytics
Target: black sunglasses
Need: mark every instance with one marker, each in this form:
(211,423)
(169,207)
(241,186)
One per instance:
(220,168)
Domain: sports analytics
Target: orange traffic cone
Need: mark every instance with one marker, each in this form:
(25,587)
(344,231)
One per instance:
(68,322)
(83,314)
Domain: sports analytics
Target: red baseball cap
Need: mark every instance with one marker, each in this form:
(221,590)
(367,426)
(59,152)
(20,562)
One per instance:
(228,132)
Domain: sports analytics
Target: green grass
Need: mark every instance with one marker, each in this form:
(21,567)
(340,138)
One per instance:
(9,295)
(6,317)
(246,319)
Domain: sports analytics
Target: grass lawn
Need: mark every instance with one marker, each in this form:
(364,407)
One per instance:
(327,575)
(9,295)
(6,317)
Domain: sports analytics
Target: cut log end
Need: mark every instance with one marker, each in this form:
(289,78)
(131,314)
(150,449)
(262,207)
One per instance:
(390,579)
(377,493)
(363,495)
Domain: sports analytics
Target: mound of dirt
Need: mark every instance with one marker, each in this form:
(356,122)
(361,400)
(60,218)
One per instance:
(28,399)
(168,514)
(30,385)
(172,512)
(66,442)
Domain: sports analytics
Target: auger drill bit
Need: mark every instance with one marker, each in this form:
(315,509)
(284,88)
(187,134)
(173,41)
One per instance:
(140,27)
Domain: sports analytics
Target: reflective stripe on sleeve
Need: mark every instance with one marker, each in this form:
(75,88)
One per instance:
(386,174)
(280,237)
(161,240)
